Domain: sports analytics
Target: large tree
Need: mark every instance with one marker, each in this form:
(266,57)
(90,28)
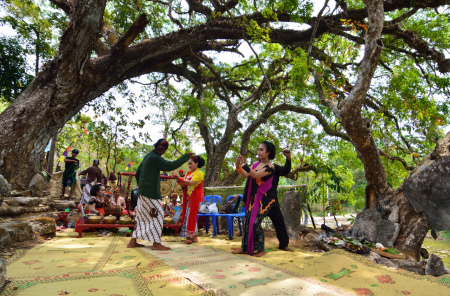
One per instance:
(86,66)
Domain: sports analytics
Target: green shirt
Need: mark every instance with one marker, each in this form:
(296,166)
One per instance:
(148,173)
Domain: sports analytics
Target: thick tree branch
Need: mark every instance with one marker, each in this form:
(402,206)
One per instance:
(136,28)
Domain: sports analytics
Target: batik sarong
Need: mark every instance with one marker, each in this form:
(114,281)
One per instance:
(149,219)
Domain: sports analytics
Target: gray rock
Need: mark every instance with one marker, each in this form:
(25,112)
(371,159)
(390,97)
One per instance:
(435,266)
(447,270)
(409,265)
(43,225)
(386,262)
(388,233)
(15,193)
(55,184)
(5,238)
(372,256)
(5,187)
(46,200)
(393,216)
(37,185)
(313,236)
(366,225)
(324,246)
(22,201)
(18,230)
(2,272)
(428,188)
(11,201)
(291,207)
(25,193)
(64,204)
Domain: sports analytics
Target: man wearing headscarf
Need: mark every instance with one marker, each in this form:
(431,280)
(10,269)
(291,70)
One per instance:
(149,211)
(94,174)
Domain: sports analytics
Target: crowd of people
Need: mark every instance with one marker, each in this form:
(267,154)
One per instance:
(259,196)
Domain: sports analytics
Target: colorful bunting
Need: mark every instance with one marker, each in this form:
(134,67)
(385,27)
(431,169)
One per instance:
(66,152)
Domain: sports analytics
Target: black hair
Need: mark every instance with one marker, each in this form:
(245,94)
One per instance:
(270,148)
(161,144)
(198,159)
(95,188)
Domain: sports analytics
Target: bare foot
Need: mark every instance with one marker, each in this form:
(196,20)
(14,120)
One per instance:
(260,253)
(159,247)
(238,251)
(195,239)
(188,242)
(287,249)
(134,244)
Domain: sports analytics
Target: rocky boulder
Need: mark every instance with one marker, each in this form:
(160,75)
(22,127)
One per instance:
(428,186)
(22,201)
(435,266)
(388,233)
(5,238)
(46,200)
(5,188)
(2,272)
(64,204)
(37,185)
(409,265)
(55,184)
(366,225)
(18,230)
(43,225)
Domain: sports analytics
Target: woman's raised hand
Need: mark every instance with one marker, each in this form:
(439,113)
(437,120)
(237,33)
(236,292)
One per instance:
(174,174)
(239,161)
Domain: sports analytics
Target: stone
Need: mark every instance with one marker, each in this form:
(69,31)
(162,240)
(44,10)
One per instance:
(372,256)
(22,201)
(55,184)
(386,262)
(43,225)
(77,191)
(46,200)
(313,236)
(324,246)
(435,266)
(25,193)
(5,238)
(37,185)
(409,265)
(5,187)
(64,204)
(2,272)
(18,230)
(393,216)
(15,193)
(291,207)
(366,225)
(12,202)
(427,187)
(387,233)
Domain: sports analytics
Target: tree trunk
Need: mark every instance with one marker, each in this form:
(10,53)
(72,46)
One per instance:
(291,206)
(51,154)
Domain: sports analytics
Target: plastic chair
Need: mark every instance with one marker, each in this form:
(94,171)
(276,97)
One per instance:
(217,199)
(230,217)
